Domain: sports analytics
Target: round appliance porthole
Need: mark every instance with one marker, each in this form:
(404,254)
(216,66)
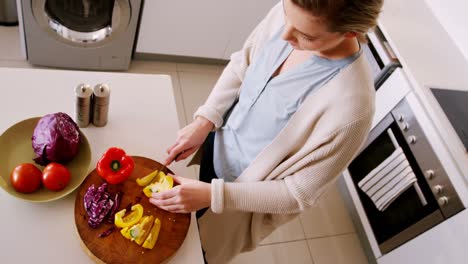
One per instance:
(82,23)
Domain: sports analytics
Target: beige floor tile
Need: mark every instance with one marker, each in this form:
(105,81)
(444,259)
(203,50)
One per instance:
(343,249)
(290,253)
(168,68)
(10,47)
(329,217)
(195,89)
(200,68)
(291,231)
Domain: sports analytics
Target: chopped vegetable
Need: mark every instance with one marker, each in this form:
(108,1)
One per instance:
(143,181)
(107,232)
(165,182)
(150,241)
(56,138)
(138,228)
(117,199)
(122,221)
(140,231)
(115,166)
(97,203)
(126,232)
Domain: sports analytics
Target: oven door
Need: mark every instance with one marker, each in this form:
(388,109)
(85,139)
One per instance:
(415,209)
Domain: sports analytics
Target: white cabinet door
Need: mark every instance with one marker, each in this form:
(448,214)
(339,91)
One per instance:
(204,28)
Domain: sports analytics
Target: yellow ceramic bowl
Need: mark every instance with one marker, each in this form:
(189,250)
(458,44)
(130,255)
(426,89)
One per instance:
(16,148)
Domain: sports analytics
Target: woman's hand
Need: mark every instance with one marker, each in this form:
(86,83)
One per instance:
(189,196)
(189,139)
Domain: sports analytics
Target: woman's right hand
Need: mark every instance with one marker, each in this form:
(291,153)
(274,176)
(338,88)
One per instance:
(189,139)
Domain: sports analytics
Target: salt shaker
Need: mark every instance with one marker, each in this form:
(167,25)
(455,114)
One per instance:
(101,104)
(83,98)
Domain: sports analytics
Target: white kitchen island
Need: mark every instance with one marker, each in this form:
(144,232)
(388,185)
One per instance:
(142,120)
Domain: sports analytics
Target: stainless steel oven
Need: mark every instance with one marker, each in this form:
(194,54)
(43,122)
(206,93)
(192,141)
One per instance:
(428,201)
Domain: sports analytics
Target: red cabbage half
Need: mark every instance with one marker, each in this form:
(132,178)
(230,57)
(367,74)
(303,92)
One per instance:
(56,138)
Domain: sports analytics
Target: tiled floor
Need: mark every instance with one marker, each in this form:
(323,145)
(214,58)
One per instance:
(321,235)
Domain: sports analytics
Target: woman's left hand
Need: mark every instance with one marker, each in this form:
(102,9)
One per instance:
(189,196)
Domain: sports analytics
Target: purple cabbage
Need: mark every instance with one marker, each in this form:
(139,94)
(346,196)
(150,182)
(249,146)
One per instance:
(100,204)
(56,138)
(98,211)
(117,198)
(89,197)
(107,232)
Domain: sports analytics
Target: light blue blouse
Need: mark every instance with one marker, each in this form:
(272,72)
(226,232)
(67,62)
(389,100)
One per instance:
(266,104)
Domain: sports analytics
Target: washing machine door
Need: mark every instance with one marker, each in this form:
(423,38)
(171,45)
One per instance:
(83,22)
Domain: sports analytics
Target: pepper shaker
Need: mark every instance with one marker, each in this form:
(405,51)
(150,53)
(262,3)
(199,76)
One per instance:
(83,104)
(101,104)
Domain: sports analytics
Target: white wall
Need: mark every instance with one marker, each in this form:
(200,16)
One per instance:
(453,15)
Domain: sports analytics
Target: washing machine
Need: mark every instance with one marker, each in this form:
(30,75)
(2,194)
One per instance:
(80,34)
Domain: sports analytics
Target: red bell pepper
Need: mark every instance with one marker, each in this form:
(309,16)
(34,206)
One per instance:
(115,166)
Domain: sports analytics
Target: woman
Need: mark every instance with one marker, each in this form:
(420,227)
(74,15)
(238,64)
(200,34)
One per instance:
(289,112)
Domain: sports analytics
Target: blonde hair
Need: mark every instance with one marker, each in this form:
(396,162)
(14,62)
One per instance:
(343,16)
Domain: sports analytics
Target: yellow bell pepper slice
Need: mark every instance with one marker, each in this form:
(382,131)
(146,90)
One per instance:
(143,181)
(140,231)
(147,191)
(126,232)
(150,241)
(132,218)
(165,183)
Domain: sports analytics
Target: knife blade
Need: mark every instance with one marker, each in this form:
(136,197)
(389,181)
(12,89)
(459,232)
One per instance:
(164,166)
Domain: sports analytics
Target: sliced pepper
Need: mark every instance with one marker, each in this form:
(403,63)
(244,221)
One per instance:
(140,231)
(126,232)
(115,166)
(164,183)
(150,241)
(132,218)
(143,181)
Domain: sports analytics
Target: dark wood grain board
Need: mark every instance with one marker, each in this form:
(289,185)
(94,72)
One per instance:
(117,249)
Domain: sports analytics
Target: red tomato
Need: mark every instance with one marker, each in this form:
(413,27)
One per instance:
(55,176)
(26,178)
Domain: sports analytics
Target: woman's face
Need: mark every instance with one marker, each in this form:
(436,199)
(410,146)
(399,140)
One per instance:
(307,32)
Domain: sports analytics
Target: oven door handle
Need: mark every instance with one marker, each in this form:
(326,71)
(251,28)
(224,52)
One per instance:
(421,196)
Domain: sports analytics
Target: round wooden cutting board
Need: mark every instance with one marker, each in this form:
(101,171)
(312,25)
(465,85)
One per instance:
(115,248)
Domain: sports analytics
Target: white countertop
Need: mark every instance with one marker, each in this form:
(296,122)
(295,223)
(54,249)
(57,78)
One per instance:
(142,120)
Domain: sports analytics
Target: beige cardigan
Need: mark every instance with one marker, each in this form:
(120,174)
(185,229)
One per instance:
(298,166)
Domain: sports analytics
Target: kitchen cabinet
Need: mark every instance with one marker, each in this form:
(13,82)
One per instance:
(205,29)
